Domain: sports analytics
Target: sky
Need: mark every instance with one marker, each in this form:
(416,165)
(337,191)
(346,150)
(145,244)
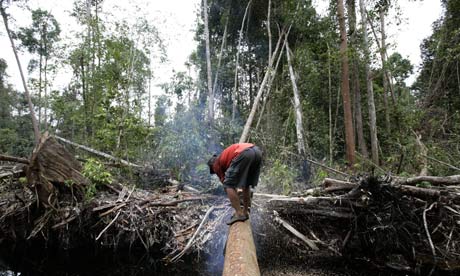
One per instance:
(176,21)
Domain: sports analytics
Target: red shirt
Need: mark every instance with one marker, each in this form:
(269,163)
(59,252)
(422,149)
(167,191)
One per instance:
(224,160)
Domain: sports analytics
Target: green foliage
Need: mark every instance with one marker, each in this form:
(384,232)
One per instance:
(96,172)
(279,178)
(23,180)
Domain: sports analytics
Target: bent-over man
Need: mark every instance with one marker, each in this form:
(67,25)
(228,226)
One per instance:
(238,166)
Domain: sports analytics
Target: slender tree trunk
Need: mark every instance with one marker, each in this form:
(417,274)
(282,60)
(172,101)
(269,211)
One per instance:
(26,90)
(384,71)
(40,66)
(235,85)
(150,99)
(369,86)
(208,64)
(269,31)
(297,106)
(84,96)
(45,107)
(331,145)
(355,80)
(269,87)
(247,126)
(384,78)
(222,46)
(345,87)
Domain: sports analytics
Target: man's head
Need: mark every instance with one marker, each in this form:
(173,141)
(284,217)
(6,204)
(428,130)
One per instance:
(211,163)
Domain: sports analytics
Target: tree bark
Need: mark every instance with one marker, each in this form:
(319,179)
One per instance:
(297,106)
(208,64)
(345,87)
(369,86)
(51,164)
(26,90)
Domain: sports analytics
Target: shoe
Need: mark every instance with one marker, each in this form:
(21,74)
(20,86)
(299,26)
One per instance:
(236,218)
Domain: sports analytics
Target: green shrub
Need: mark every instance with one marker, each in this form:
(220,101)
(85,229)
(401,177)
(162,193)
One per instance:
(96,173)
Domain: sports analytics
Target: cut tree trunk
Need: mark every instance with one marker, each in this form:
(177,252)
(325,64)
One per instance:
(51,166)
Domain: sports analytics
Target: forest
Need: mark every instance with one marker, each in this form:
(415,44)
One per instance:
(107,162)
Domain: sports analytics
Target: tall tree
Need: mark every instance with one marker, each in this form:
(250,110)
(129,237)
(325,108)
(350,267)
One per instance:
(355,78)
(345,87)
(268,73)
(208,64)
(24,83)
(40,39)
(238,49)
(369,86)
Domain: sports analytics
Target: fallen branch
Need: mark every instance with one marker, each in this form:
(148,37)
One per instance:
(440,162)
(172,203)
(108,226)
(192,239)
(434,180)
(422,193)
(329,182)
(270,195)
(12,173)
(315,201)
(425,224)
(98,153)
(323,243)
(13,159)
(296,233)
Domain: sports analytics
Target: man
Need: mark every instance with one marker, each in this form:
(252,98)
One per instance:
(238,166)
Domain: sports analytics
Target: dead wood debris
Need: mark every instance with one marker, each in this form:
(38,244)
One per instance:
(384,220)
(45,207)
(162,221)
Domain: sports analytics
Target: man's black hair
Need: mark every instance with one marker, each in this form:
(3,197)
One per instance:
(211,163)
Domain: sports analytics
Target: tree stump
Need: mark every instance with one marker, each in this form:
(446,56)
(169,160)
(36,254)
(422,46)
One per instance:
(52,166)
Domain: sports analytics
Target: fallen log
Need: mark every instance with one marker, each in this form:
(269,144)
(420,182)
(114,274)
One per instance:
(13,159)
(434,180)
(240,251)
(317,201)
(98,153)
